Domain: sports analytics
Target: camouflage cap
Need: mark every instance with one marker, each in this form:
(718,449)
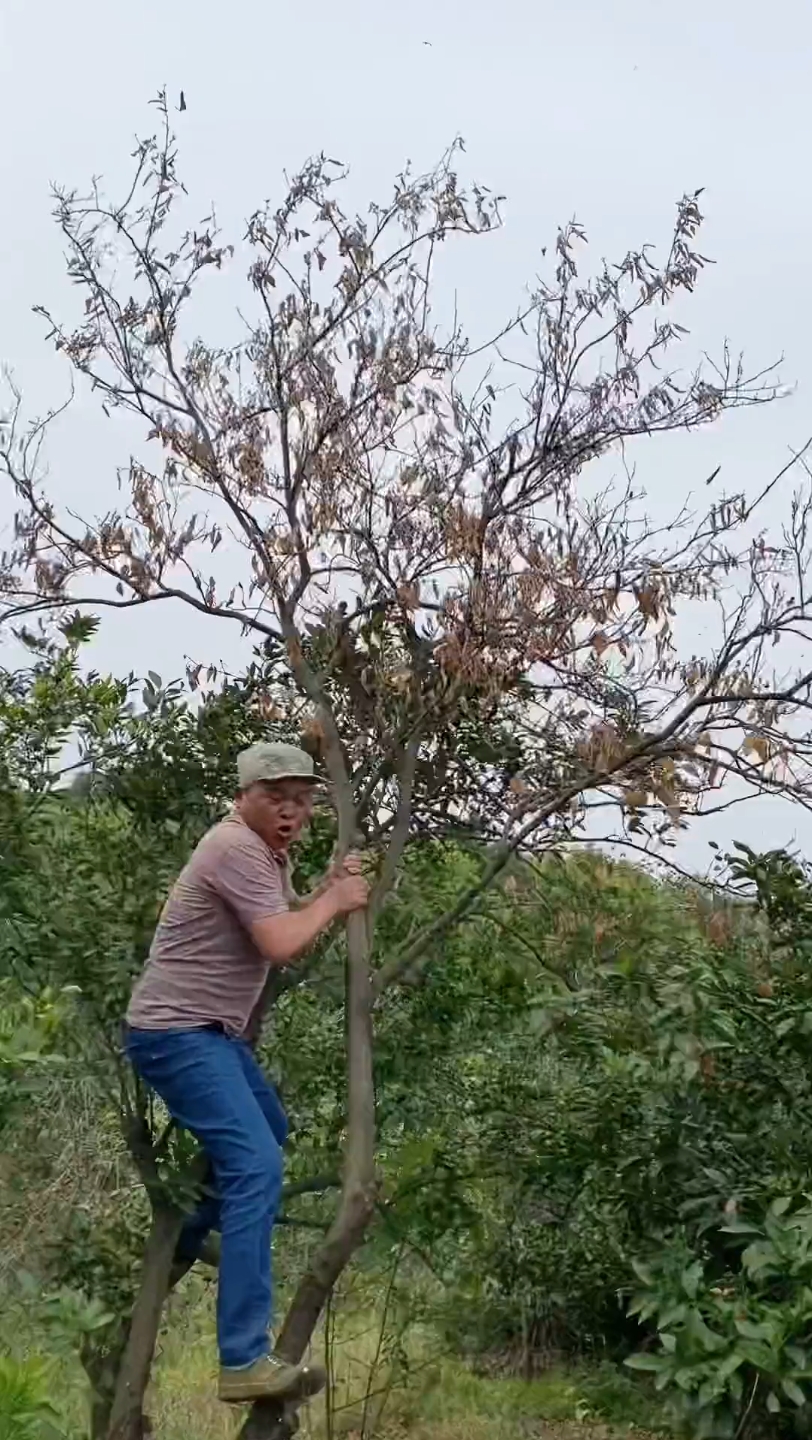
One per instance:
(269,760)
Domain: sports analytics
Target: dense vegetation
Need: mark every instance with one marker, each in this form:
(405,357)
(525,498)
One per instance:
(594,1101)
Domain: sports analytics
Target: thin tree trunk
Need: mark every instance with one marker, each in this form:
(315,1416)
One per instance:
(358,1191)
(101,1368)
(127,1421)
(269,1420)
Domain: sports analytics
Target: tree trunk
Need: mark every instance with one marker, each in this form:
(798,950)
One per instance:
(271,1421)
(127,1420)
(101,1367)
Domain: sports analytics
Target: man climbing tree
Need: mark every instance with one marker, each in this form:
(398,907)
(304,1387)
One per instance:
(231,916)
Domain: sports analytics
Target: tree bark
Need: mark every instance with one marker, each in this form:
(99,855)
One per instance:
(127,1420)
(359,1187)
(101,1367)
(270,1421)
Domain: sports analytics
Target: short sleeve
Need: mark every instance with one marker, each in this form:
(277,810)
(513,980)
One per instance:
(248,880)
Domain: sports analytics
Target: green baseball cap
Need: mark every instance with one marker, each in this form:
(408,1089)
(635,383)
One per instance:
(268,760)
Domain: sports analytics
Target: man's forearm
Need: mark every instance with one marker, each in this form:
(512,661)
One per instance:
(282,938)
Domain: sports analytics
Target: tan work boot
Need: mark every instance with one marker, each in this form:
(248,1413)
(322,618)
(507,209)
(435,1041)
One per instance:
(270,1378)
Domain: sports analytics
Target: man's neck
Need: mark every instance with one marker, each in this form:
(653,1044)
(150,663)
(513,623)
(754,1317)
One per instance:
(280,855)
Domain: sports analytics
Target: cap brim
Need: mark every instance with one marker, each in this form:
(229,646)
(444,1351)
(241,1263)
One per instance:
(288,775)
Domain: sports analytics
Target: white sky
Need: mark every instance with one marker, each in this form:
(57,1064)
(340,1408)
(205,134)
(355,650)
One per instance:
(606,111)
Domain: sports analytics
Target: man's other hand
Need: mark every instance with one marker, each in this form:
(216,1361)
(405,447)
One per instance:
(352,864)
(348,893)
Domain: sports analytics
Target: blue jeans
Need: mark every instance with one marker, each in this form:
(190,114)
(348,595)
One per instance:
(212,1086)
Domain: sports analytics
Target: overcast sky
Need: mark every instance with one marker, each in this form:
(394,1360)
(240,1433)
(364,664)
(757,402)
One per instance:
(605,111)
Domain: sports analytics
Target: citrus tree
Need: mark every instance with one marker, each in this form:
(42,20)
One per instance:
(466,631)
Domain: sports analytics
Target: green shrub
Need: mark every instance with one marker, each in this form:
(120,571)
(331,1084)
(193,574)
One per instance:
(26,1411)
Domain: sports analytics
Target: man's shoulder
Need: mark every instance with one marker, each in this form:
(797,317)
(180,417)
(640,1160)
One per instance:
(231,839)
(232,832)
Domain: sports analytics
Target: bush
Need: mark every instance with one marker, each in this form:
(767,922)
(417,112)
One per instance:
(26,1412)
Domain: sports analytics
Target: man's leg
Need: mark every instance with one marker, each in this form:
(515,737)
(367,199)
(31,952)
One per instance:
(193,1242)
(265,1094)
(194,1235)
(200,1076)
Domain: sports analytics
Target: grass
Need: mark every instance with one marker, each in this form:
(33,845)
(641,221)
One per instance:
(388,1383)
(387,1387)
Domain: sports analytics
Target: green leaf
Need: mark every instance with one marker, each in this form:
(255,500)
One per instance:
(730,1364)
(643,1272)
(702,1332)
(690,1279)
(758,1355)
(756,1331)
(793,1392)
(642,1361)
(78,628)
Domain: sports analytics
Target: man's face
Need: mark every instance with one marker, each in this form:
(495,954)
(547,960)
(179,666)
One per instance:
(277,810)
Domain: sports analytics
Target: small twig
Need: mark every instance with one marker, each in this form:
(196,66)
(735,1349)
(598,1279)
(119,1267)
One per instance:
(740,1429)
